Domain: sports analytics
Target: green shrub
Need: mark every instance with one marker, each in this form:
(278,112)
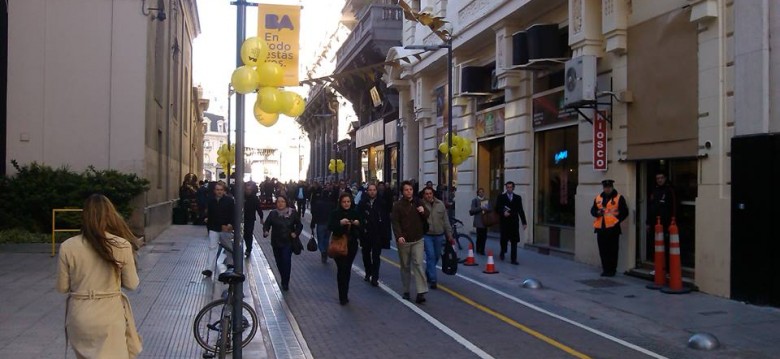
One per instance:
(28,197)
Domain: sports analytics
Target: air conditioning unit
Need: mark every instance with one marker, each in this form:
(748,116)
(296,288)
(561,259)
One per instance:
(475,80)
(493,81)
(544,42)
(580,81)
(519,48)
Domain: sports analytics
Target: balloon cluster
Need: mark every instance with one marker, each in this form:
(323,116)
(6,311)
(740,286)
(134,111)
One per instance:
(226,156)
(460,150)
(266,78)
(336,166)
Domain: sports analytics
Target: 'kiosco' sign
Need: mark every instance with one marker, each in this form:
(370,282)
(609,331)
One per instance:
(279,26)
(599,142)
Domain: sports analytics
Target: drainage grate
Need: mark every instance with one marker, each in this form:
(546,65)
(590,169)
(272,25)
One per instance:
(600,283)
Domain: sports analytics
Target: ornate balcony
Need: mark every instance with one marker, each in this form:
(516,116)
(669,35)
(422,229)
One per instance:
(378,28)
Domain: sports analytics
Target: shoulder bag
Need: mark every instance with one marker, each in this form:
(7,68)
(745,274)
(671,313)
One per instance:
(338,245)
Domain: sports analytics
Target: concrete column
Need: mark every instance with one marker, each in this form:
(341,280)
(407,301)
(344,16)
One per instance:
(506,77)
(585,27)
(614,25)
(751,62)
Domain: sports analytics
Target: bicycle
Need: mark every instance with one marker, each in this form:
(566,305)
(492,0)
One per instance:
(462,240)
(217,318)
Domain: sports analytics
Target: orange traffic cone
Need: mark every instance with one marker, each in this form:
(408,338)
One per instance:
(660,256)
(470,259)
(490,268)
(675,265)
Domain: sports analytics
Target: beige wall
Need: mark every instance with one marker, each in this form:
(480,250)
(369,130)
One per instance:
(75,95)
(78,74)
(603,34)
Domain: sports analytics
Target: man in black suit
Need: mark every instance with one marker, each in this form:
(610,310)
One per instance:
(509,206)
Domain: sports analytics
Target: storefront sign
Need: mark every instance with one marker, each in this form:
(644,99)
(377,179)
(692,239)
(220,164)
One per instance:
(490,122)
(370,133)
(279,26)
(599,142)
(548,110)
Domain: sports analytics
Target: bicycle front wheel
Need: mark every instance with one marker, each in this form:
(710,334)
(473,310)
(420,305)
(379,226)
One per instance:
(462,242)
(208,325)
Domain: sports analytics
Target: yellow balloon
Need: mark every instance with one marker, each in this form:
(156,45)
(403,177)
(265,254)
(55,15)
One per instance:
(244,80)
(264,118)
(297,107)
(271,74)
(286,101)
(454,150)
(268,99)
(254,51)
(443,148)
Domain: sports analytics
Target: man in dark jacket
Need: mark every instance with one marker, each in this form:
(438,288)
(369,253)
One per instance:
(408,217)
(662,203)
(219,219)
(509,207)
(376,232)
(610,209)
(251,207)
(301,195)
(323,201)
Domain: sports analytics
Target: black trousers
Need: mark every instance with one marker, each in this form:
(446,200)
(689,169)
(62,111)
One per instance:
(481,240)
(301,203)
(372,251)
(608,248)
(507,239)
(249,229)
(344,269)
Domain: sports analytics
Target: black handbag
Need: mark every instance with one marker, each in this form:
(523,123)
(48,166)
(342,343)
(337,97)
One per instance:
(312,245)
(297,245)
(449,260)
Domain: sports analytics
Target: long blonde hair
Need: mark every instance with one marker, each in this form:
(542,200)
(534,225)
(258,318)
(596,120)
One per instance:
(100,217)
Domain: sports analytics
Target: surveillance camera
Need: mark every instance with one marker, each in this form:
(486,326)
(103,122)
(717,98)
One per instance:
(161,15)
(708,145)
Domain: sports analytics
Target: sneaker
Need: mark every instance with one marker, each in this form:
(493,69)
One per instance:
(420,298)
(206,272)
(406,296)
(374,282)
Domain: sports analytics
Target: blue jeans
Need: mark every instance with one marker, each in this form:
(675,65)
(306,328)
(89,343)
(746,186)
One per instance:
(323,238)
(433,248)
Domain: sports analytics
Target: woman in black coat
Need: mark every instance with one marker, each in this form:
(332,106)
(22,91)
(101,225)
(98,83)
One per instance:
(285,225)
(345,220)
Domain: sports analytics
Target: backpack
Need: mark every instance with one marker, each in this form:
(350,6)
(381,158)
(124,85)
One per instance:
(449,260)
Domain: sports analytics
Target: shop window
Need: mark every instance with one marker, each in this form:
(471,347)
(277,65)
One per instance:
(556,186)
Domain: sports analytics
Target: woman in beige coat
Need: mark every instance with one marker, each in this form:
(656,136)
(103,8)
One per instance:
(93,267)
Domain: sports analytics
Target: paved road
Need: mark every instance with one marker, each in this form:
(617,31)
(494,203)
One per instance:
(471,315)
(578,314)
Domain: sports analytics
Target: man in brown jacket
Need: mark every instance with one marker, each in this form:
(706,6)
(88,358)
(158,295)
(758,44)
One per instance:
(408,218)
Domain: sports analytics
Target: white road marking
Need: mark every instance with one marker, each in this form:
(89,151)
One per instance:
(445,329)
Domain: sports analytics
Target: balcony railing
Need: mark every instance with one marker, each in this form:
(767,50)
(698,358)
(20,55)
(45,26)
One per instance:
(377,23)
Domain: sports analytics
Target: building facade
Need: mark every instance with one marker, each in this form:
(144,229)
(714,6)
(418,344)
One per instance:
(106,84)
(673,89)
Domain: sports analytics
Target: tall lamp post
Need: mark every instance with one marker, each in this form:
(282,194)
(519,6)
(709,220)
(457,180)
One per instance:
(448,46)
(230,95)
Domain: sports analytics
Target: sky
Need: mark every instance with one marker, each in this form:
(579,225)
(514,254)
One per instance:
(215,59)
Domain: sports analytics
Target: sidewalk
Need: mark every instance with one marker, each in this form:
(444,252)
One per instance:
(171,292)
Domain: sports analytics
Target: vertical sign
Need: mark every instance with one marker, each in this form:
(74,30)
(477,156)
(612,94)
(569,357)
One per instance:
(279,26)
(599,142)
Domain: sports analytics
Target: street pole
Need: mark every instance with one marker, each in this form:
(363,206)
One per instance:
(230,93)
(448,44)
(238,255)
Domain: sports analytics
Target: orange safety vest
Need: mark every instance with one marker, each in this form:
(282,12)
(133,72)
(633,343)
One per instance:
(610,213)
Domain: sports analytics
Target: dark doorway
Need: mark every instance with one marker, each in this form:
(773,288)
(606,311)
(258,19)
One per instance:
(490,168)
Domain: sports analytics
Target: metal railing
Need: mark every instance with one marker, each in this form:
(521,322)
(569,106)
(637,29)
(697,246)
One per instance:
(54,229)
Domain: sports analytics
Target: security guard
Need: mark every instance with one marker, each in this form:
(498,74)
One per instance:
(610,209)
